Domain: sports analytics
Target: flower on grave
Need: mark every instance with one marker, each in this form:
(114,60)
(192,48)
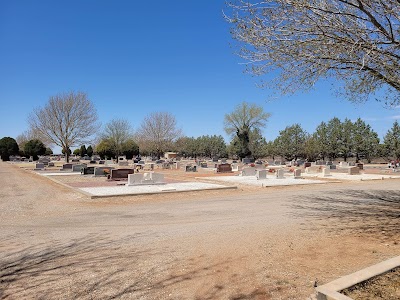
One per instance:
(106,171)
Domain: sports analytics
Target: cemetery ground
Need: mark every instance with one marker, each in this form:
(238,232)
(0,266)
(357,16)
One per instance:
(244,243)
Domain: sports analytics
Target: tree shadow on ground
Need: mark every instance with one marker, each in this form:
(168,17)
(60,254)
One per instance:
(358,211)
(99,268)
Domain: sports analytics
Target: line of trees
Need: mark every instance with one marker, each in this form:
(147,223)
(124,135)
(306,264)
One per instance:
(61,122)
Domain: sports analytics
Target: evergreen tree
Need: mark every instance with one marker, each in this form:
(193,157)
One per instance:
(392,141)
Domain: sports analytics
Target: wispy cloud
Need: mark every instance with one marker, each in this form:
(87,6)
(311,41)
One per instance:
(394,117)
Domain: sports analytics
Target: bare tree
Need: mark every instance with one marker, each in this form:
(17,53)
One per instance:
(117,132)
(354,41)
(158,132)
(67,120)
(242,121)
(26,136)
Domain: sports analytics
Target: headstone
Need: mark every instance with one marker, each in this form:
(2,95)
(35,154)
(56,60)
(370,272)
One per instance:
(74,160)
(66,167)
(102,171)
(261,174)
(223,168)
(320,163)
(123,163)
(248,160)
(307,164)
(86,157)
(50,164)
(191,169)
(87,171)
(101,162)
(360,166)
(248,171)
(280,174)
(92,162)
(135,179)
(145,178)
(326,172)
(297,173)
(353,171)
(203,165)
(332,167)
(215,159)
(352,164)
(329,163)
(39,166)
(78,168)
(120,174)
(235,167)
(157,178)
(141,162)
(223,160)
(343,164)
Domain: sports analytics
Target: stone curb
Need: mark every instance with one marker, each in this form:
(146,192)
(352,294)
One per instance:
(91,196)
(330,291)
(158,193)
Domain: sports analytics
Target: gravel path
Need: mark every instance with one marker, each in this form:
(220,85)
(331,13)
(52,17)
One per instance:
(250,243)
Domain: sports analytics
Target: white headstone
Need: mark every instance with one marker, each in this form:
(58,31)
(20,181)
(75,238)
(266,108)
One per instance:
(326,172)
(280,174)
(248,171)
(134,179)
(261,174)
(297,173)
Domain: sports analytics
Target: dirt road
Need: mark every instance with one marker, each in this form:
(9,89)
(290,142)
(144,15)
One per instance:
(243,244)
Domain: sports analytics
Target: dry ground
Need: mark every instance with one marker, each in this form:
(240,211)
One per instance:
(250,243)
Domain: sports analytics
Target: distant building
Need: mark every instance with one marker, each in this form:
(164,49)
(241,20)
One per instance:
(170,155)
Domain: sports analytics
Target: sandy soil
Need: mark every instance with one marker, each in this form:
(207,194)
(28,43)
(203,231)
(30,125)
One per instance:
(250,243)
(383,287)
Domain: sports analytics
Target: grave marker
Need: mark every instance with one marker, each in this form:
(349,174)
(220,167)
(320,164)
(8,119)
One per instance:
(224,168)
(248,171)
(261,174)
(353,171)
(326,172)
(120,174)
(280,174)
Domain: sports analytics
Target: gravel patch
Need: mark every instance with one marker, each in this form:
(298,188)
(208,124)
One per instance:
(343,176)
(150,189)
(252,180)
(60,174)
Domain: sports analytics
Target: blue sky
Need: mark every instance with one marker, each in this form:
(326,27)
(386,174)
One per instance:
(137,57)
